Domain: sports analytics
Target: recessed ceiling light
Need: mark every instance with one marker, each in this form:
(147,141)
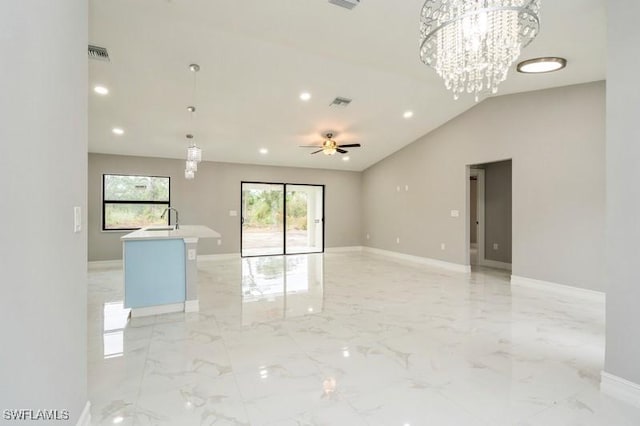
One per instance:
(264,151)
(408,114)
(117,131)
(101,90)
(541,65)
(305,96)
(347,158)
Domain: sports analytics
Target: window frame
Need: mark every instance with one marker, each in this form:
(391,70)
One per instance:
(105,201)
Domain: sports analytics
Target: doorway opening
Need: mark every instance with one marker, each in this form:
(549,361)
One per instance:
(281,218)
(490,214)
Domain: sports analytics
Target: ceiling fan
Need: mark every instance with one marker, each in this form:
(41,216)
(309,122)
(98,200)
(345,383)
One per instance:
(330,147)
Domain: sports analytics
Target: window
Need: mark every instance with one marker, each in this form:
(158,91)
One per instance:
(132,202)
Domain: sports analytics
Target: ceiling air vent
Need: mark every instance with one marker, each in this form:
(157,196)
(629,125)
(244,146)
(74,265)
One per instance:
(98,53)
(340,102)
(347,4)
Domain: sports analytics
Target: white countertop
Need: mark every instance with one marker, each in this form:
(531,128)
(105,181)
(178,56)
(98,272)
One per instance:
(185,231)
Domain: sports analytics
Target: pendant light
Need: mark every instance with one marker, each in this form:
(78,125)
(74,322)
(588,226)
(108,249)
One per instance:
(194,153)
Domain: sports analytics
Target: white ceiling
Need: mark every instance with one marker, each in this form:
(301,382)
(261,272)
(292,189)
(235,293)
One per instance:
(257,56)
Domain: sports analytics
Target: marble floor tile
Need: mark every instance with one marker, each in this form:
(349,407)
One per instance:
(349,339)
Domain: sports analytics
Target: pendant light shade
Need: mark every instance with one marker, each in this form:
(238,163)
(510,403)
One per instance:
(191,165)
(194,153)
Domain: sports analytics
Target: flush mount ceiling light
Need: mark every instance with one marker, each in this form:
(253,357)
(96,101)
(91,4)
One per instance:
(347,158)
(117,131)
(305,96)
(472,43)
(101,90)
(264,151)
(408,114)
(541,65)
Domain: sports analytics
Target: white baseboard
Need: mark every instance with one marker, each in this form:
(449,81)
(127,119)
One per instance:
(596,296)
(85,417)
(619,388)
(213,257)
(157,310)
(348,249)
(191,306)
(421,260)
(495,264)
(98,264)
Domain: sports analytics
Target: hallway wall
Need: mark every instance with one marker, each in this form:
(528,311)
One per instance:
(555,139)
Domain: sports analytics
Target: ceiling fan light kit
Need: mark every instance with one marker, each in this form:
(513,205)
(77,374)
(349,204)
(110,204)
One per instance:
(330,146)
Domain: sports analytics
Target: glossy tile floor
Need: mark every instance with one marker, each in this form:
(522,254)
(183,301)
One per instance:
(349,339)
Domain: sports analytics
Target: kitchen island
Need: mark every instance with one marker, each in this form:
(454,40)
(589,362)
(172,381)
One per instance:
(160,269)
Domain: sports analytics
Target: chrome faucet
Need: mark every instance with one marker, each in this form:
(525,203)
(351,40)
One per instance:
(168,209)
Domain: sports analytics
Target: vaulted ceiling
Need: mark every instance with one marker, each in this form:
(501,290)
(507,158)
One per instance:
(257,56)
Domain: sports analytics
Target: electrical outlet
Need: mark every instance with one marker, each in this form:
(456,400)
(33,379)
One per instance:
(219,242)
(443,246)
(398,188)
(397,240)
(406,187)
(368,236)
(495,246)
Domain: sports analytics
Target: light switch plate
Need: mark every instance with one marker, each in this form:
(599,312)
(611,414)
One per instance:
(77,219)
(192,254)
(233,213)
(455,213)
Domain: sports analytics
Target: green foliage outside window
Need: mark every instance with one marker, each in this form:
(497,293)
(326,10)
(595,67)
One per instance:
(264,209)
(132,202)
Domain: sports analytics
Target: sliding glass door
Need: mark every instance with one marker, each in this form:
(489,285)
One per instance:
(279,218)
(304,218)
(262,219)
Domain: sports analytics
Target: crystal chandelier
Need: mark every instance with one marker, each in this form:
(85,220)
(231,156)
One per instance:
(472,43)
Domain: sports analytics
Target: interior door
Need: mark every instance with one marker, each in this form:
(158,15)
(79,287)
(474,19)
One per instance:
(262,219)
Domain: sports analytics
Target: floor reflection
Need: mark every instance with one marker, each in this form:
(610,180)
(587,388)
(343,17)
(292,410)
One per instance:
(278,287)
(115,320)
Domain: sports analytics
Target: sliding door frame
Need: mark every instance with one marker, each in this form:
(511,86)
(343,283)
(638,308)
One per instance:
(284,215)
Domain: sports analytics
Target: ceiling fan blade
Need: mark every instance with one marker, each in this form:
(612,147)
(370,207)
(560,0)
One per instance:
(315,152)
(341,151)
(350,145)
(309,146)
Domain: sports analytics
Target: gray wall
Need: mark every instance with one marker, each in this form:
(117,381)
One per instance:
(216,190)
(556,141)
(497,207)
(623,192)
(43,169)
